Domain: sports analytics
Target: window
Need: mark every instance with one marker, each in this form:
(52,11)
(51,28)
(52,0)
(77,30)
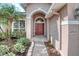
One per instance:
(39,20)
(19,25)
(16,24)
(22,24)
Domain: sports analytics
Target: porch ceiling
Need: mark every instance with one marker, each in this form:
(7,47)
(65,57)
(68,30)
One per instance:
(54,8)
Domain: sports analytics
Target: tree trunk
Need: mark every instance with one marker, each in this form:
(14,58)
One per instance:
(10,25)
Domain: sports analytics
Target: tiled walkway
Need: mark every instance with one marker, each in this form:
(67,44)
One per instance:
(39,48)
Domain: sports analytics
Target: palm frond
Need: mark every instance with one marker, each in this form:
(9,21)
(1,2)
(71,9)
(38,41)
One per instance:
(8,10)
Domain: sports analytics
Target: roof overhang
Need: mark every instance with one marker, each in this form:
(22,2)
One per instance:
(54,8)
(24,5)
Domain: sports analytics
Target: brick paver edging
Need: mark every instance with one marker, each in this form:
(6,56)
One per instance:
(30,49)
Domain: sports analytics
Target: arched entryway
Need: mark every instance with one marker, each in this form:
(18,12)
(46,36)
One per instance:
(39,26)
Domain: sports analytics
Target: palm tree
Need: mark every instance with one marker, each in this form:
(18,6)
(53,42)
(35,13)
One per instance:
(8,13)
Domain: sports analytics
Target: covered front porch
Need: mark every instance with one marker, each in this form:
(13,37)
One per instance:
(37,25)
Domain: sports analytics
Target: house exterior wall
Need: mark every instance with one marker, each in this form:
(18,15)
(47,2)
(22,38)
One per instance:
(28,27)
(70,32)
(64,30)
(31,10)
(73,42)
(58,33)
(71,9)
(55,31)
(34,6)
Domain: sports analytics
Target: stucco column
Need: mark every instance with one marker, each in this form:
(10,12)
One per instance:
(28,27)
(48,29)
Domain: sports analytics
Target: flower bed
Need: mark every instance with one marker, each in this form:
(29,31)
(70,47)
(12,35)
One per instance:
(51,50)
(16,47)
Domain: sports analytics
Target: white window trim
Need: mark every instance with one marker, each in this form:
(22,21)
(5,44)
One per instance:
(16,28)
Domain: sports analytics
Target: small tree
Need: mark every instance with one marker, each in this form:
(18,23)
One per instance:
(8,13)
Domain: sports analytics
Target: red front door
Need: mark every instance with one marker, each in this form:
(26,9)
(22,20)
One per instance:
(39,29)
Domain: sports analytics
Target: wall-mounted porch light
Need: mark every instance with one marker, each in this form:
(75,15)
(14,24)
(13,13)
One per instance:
(76,13)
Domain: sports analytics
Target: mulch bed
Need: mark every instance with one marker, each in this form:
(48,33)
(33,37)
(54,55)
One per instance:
(51,49)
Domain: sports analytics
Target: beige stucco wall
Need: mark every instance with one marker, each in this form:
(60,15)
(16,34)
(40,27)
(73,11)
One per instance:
(70,32)
(55,31)
(64,30)
(73,42)
(64,36)
(33,8)
(64,40)
(58,33)
(71,9)
(63,13)
(28,27)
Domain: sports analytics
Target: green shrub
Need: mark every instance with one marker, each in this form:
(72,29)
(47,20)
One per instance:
(22,33)
(15,34)
(23,41)
(3,49)
(10,54)
(18,34)
(3,35)
(0,35)
(18,47)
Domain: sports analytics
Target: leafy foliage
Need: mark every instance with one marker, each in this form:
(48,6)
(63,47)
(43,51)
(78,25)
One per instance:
(19,47)
(17,34)
(10,54)
(23,41)
(8,13)
(8,10)
(3,50)
(3,35)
